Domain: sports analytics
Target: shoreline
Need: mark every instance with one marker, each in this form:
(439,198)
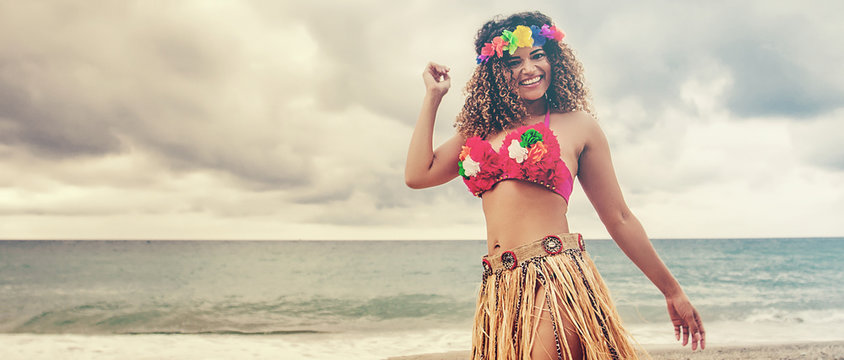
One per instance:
(806,350)
(341,346)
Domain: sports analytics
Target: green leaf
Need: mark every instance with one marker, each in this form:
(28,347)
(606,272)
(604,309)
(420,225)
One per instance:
(461,171)
(530,137)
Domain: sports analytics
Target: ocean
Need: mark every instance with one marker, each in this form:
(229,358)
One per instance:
(375,299)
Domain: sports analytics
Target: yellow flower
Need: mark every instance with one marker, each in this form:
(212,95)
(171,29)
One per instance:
(523,34)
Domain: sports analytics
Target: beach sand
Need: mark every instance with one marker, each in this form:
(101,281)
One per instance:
(336,346)
(814,351)
(326,347)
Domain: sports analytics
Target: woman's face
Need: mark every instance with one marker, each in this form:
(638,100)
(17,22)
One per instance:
(530,72)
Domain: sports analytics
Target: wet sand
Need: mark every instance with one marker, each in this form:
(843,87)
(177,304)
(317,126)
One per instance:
(814,351)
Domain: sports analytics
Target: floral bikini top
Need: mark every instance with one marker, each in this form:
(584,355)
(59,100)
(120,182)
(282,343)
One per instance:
(530,153)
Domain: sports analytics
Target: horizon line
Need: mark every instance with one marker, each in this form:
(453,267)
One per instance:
(326,240)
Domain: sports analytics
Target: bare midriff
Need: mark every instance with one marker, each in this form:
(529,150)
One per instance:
(520,212)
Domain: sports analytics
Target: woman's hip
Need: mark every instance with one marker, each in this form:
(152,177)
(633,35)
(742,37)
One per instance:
(503,258)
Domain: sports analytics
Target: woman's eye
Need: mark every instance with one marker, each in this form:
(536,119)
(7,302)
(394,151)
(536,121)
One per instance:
(539,56)
(513,64)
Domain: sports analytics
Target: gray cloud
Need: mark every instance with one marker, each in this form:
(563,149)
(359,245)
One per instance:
(323,196)
(779,55)
(770,78)
(109,78)
(301,112)
(52,127)
(375,60)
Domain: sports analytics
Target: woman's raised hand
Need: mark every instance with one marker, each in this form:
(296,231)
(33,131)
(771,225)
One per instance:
(686,321)
(436,79)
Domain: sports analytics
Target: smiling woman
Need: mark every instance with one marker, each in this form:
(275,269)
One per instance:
(529,71)
(491,105)
(524,134)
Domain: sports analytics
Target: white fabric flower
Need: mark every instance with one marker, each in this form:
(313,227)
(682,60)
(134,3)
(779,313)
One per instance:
(517,152)
(471,167)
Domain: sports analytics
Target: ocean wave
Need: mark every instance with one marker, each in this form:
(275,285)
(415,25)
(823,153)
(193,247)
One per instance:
(747,312)
(745,331)
(283,316)
(295,289)
(824,316)
(229,332)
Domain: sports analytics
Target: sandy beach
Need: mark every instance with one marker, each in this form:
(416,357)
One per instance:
(819,350)
(148,347)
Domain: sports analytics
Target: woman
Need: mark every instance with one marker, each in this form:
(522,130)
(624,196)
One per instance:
(541,297)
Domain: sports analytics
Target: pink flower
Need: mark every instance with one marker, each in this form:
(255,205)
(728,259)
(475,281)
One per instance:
(552,32)
(489,165)
(512,169)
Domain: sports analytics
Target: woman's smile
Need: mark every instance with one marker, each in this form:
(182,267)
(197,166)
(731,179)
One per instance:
(529,70)
(532,82)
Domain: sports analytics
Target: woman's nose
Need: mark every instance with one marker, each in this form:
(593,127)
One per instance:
(529,67)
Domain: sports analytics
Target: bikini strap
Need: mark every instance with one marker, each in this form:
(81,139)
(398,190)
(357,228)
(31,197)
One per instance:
(548,118)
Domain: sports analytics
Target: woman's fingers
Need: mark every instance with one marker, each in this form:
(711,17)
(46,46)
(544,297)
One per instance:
(437,72)
(444,73)
(701,331)
(436,78)
(693,328)
(436,68)
(687,322)
(440,68)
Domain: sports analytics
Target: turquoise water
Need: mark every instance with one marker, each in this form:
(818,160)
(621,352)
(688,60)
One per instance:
(354,287)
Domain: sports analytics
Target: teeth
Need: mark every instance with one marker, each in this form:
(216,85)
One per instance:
(531,81)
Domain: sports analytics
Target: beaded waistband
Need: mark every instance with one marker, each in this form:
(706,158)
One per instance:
(549,245)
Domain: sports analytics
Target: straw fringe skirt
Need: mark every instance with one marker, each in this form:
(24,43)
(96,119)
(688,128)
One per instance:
(575,294)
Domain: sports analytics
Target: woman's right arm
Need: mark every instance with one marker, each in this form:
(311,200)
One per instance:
(425,166)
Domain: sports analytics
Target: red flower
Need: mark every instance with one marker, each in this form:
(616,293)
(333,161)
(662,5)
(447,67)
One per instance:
(512,169)
(490,164)
(498,45)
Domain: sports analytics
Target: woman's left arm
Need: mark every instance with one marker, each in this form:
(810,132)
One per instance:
(598,179)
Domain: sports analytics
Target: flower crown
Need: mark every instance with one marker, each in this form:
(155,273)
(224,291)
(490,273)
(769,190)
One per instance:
(523,36)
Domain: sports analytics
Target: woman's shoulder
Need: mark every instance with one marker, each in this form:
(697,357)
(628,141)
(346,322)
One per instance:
(571,120)
(573,116)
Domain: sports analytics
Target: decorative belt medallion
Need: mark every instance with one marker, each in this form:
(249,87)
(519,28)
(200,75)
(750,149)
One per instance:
(552,244)
(487,267)
(508,259)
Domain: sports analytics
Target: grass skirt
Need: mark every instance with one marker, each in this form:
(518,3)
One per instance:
(575,294)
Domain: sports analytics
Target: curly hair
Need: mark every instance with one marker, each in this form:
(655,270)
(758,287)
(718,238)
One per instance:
(492,103)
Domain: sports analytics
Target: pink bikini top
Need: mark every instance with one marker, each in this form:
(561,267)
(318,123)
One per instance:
(530,153)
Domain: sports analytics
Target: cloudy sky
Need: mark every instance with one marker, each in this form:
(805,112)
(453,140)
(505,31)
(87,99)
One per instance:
(290,120)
